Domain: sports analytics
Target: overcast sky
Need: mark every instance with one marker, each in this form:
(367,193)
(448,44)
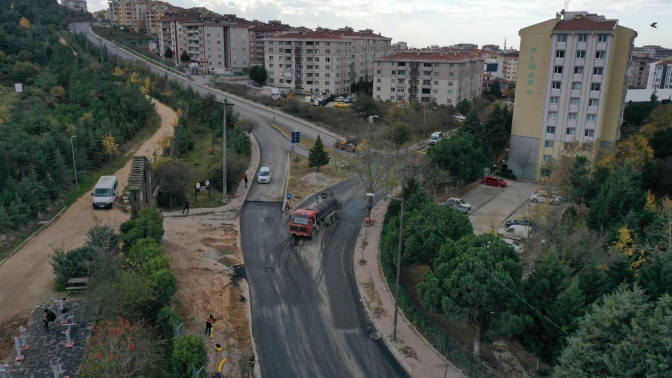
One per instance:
(421,23)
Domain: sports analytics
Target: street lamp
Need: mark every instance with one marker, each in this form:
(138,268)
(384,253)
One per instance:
(396,290)
(117,47)
(73,158)
(226,103)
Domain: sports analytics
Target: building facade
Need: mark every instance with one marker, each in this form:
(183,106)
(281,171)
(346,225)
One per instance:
(78,5)
(638,71)
(509,61)
(571,88)
(427,76)
(659,75)
(260,32)
(216,44)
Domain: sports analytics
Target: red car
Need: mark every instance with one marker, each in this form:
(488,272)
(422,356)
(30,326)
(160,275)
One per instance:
(493,181)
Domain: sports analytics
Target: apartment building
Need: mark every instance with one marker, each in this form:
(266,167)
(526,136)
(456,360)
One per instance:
(78,5)
(366,47)
(653,51)
(144,14)
(571,88)
(509,60)
(659,75)
(311,61)
(260,32)
(638,71)
(217,43)
(428,76)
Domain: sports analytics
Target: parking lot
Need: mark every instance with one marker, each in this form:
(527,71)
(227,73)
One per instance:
(492,206)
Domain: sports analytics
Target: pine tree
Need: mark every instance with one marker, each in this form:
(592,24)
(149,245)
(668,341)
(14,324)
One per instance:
(318,156)
(168,54)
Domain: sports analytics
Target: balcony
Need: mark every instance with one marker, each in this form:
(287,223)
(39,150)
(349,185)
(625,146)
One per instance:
(576,77)
(599,63)
(559,61)
(557,76)
(571,123)
(573,108)
(597,78)
(580,62)
(592,109)
(581,45)
(575,93)
(594,94)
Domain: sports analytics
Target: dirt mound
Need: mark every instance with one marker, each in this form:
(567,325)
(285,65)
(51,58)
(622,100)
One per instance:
(316,178)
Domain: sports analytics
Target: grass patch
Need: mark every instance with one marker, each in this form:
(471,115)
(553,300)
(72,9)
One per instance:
(305,142)
(201,160)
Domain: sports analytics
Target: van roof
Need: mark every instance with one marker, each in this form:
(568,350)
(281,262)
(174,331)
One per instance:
(106,180)
(436,133)
(264,169)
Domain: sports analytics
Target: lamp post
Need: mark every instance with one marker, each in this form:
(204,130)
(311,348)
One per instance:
(226,103)
(73,158)
(116,45)
(100,45)
(396,289)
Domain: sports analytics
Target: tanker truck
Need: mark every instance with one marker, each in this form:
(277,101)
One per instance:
(306,222)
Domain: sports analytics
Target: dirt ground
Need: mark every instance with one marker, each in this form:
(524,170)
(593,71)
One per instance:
(507,357)
(302,188)
(203,250)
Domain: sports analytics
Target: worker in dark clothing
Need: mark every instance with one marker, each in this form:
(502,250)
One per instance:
(245,181)
(50,316)
(186,207)
(208,325)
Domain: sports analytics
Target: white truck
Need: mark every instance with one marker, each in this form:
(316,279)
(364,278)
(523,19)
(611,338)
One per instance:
(105,192)
(271,92)
(217,71)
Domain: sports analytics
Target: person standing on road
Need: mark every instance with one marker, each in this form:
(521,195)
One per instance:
(208,325)
(245,180)
(186,207)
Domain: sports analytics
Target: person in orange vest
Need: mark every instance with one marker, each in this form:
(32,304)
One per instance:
(208,325)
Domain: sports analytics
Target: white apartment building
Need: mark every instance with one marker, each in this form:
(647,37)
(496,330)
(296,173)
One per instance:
(509,61)
(366,47)
(660,75)
(428,76)
(78,5)
(311,61)
(213,43)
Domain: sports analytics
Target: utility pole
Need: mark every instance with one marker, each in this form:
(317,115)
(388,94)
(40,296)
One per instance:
(226,103)
(73,158)
(116,44)
(100,45)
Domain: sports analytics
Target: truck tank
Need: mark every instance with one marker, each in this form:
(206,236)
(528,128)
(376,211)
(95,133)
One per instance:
(325,206)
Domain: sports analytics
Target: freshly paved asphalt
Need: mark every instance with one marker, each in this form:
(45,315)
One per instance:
(307,317)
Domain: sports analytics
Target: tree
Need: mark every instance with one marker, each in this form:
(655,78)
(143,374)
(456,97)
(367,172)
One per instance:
(463,107)
(173,178)
(247,125)
(413,193)
(111,147)
(661,142)
(258,74)
(627,335)
(24,23)
(318,155)
(73,263)
(524,160)
(426,229)
(578,176)
(496,89)
(184,57)
(637,112)
(146,223)
(365,104)
(460,155)
(495,129)
(620,195)
(400,133)
(120,349)
(470,281)
(188,353)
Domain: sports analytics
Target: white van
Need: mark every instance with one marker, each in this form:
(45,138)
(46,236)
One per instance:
(264,176)
(435,138)
(106,192)
(515,232)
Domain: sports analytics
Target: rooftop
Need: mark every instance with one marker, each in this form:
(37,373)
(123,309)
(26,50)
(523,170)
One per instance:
(584,21)
(453,56)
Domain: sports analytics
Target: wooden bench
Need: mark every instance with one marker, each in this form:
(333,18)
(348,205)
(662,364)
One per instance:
(76,284)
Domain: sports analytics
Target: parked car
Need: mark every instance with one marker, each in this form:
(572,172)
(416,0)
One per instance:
(264,176)
(348,100)
(459,117)
(340,99)
(543,197)
(435,137)
(256,84)
(514,232)
(493,181)
(341,105)
(517,246)
(519,222)
(460,202)
(455,206)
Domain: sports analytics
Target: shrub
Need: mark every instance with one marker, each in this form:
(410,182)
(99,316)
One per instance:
(188,351)
(165,321)
(73,263)
(155,264)
(144,250)
(507,175)
(146,223)
(164,285)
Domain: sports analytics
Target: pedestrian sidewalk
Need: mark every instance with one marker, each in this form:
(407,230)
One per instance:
(423,360)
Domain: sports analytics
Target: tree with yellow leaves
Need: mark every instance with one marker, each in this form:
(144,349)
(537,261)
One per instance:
(625,244)
(135,78)
(162,144)
(176,121)
(24,23)
(634,149)
(110,145)
(118,72)
(145,88)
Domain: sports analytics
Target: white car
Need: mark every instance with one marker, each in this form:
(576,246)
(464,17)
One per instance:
(517,246)
(460,117)
(514,232)
(340,99)
(542,197)
(264,175)
(459,202)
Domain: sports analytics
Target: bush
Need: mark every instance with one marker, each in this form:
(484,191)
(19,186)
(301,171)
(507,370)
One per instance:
(506,174)
(156,264)
(147,223)
(165,321)
(188,351)
(164,284)
(73,263)
(235,169)
(144,250)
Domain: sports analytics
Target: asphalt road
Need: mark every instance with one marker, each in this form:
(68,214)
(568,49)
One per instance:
(307,318)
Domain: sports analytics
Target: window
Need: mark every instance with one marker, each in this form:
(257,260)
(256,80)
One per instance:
(580,54)
(571,131)
(562,37)
(270,65)
(578,70)
(583,37)
(560,54)
(436,82)
(450,92)
(598,70)
(591,118)
(550,129)
(602,38)
(436,74)
(589,133)
(427,64)
(401,72)
(437,64)
(576,86)
(557,69)
(555,100)
(555,85)
(378,72)
(574,101)
(450,83)
(548,144)
(378,80)
(451,65)
(400,98)
(552,115)
(451,74)
(449,101)
(547,158)
(377,89)
(545,172)
(599,54)
(427,73)
(593,102)
(572,116)
(401,81)
(435,91)
(595,86)
(400,90)
(426,82)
